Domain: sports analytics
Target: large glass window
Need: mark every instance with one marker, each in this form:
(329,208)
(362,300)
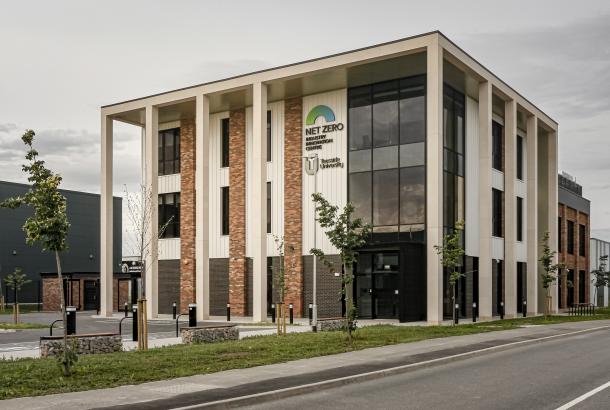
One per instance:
(497,212)
(225,142)
(571,237)
(497,146)
(520,157)
(169,215)
(169,151)
(519,219)
(269,139)
(268,207)
(582,241)
(387,156)
(225,210)
(453,157)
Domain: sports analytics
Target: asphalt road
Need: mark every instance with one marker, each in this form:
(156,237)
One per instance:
(545,375)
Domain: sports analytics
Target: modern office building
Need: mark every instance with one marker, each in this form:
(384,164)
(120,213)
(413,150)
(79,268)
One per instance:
(573,242)
(599,248)
(80,263)
(416,133)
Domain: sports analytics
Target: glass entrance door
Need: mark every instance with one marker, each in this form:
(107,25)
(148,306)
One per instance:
(377,284)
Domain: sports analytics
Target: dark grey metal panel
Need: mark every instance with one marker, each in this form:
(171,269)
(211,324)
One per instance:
(574,201)
(169,285)
(83,238)
(219,286)
(329,287)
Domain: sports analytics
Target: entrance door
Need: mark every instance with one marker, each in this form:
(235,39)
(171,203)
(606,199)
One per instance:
(90,295)
(377,284)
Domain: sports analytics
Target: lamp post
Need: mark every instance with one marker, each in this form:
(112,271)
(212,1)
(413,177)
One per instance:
(311,168)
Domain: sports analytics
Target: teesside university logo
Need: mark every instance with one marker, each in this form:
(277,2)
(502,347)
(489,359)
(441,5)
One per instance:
(317,135)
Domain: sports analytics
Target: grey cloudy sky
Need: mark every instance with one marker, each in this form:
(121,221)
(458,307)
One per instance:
(61,60)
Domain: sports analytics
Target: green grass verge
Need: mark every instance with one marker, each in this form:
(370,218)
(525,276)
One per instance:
(29,377)
(22,309)
(21,326)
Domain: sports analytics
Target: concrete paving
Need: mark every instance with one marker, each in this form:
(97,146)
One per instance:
(228,384)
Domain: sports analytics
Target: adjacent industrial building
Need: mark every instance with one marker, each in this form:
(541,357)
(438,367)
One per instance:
(416,133)
(80,262)
(599,295)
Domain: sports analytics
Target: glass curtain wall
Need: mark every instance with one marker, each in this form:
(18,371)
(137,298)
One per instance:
(454,128)
(387,131)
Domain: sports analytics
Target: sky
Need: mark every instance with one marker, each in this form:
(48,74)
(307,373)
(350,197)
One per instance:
(60,61)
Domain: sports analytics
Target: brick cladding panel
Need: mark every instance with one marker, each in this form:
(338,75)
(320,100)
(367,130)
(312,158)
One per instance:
(219,286)
(329,287)
(187,214)
(293,200)
(238,264)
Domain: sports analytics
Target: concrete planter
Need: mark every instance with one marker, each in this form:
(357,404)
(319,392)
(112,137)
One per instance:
(209,334)
(331,325)
(95,343)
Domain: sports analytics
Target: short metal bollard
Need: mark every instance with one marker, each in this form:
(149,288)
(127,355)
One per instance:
(310,314)
(474,312)
(501,310)
(524,308)
(134,326)
(71,319)
(456,316)
(273,313)
(192,315)
(174,307)
(290,309)
(228,312)
(126,309)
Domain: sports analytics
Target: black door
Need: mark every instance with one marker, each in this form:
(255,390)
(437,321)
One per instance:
(413,283)
(90,295)
(377,285)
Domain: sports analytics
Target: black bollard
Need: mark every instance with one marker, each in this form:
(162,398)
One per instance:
(273,313)
(456,319)
(524,308)
(501,310)
(174,310)
(290,309)
(192,315)
(310,313)
(126,309)
(474,312)
(134,325)
(228,312)
(71,318)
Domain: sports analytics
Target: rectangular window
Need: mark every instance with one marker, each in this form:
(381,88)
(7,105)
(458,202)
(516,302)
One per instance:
(385,114)
(559,235)
(582,234)
(497,148)
(169,151)
(453,156)
(519,219)
(497,213)
(269,136)
(225,142)
(225,210)
(571,237)
(169,215)
(268,207)
(520,157)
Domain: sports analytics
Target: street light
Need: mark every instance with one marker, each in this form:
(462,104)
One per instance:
(311,168)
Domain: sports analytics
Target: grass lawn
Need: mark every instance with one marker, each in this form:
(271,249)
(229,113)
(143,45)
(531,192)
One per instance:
(28,377)
(21,326)
(22,309)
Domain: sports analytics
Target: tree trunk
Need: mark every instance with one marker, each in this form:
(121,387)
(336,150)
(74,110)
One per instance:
(349,303)
(65,365)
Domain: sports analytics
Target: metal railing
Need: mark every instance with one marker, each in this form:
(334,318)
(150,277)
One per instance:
(582,309)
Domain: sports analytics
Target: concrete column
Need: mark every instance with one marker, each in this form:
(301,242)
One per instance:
(552,185)
(485,205)
(434,181)
(510,208)
(106,219)
(202,206)
(533,240)
(257,208)
(151,231)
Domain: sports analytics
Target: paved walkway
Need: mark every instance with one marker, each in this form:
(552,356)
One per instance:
(210,387)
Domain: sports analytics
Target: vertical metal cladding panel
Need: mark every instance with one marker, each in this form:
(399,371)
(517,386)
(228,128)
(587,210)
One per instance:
(219,177)
(329,287)
(472,177)
(332,182)
(169,284)
(219,286)
(169,183)
(169,249)
(275,175)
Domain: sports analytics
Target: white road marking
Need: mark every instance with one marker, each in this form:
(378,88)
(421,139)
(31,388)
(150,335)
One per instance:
(584,397)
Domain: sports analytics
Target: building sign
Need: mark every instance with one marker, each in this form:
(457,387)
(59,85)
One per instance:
(318,135)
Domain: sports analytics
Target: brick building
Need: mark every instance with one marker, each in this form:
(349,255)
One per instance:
(573,242)
(415,133)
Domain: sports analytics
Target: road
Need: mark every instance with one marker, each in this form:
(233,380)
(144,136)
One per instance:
(544,375)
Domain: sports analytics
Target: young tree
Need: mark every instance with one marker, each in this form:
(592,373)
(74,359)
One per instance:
(550,270)
(15,281)
(346,235)
(601,276)
(140,208)
(280,281)
(49,224)
(450,254)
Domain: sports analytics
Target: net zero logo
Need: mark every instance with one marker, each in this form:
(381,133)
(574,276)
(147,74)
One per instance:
(317,135)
